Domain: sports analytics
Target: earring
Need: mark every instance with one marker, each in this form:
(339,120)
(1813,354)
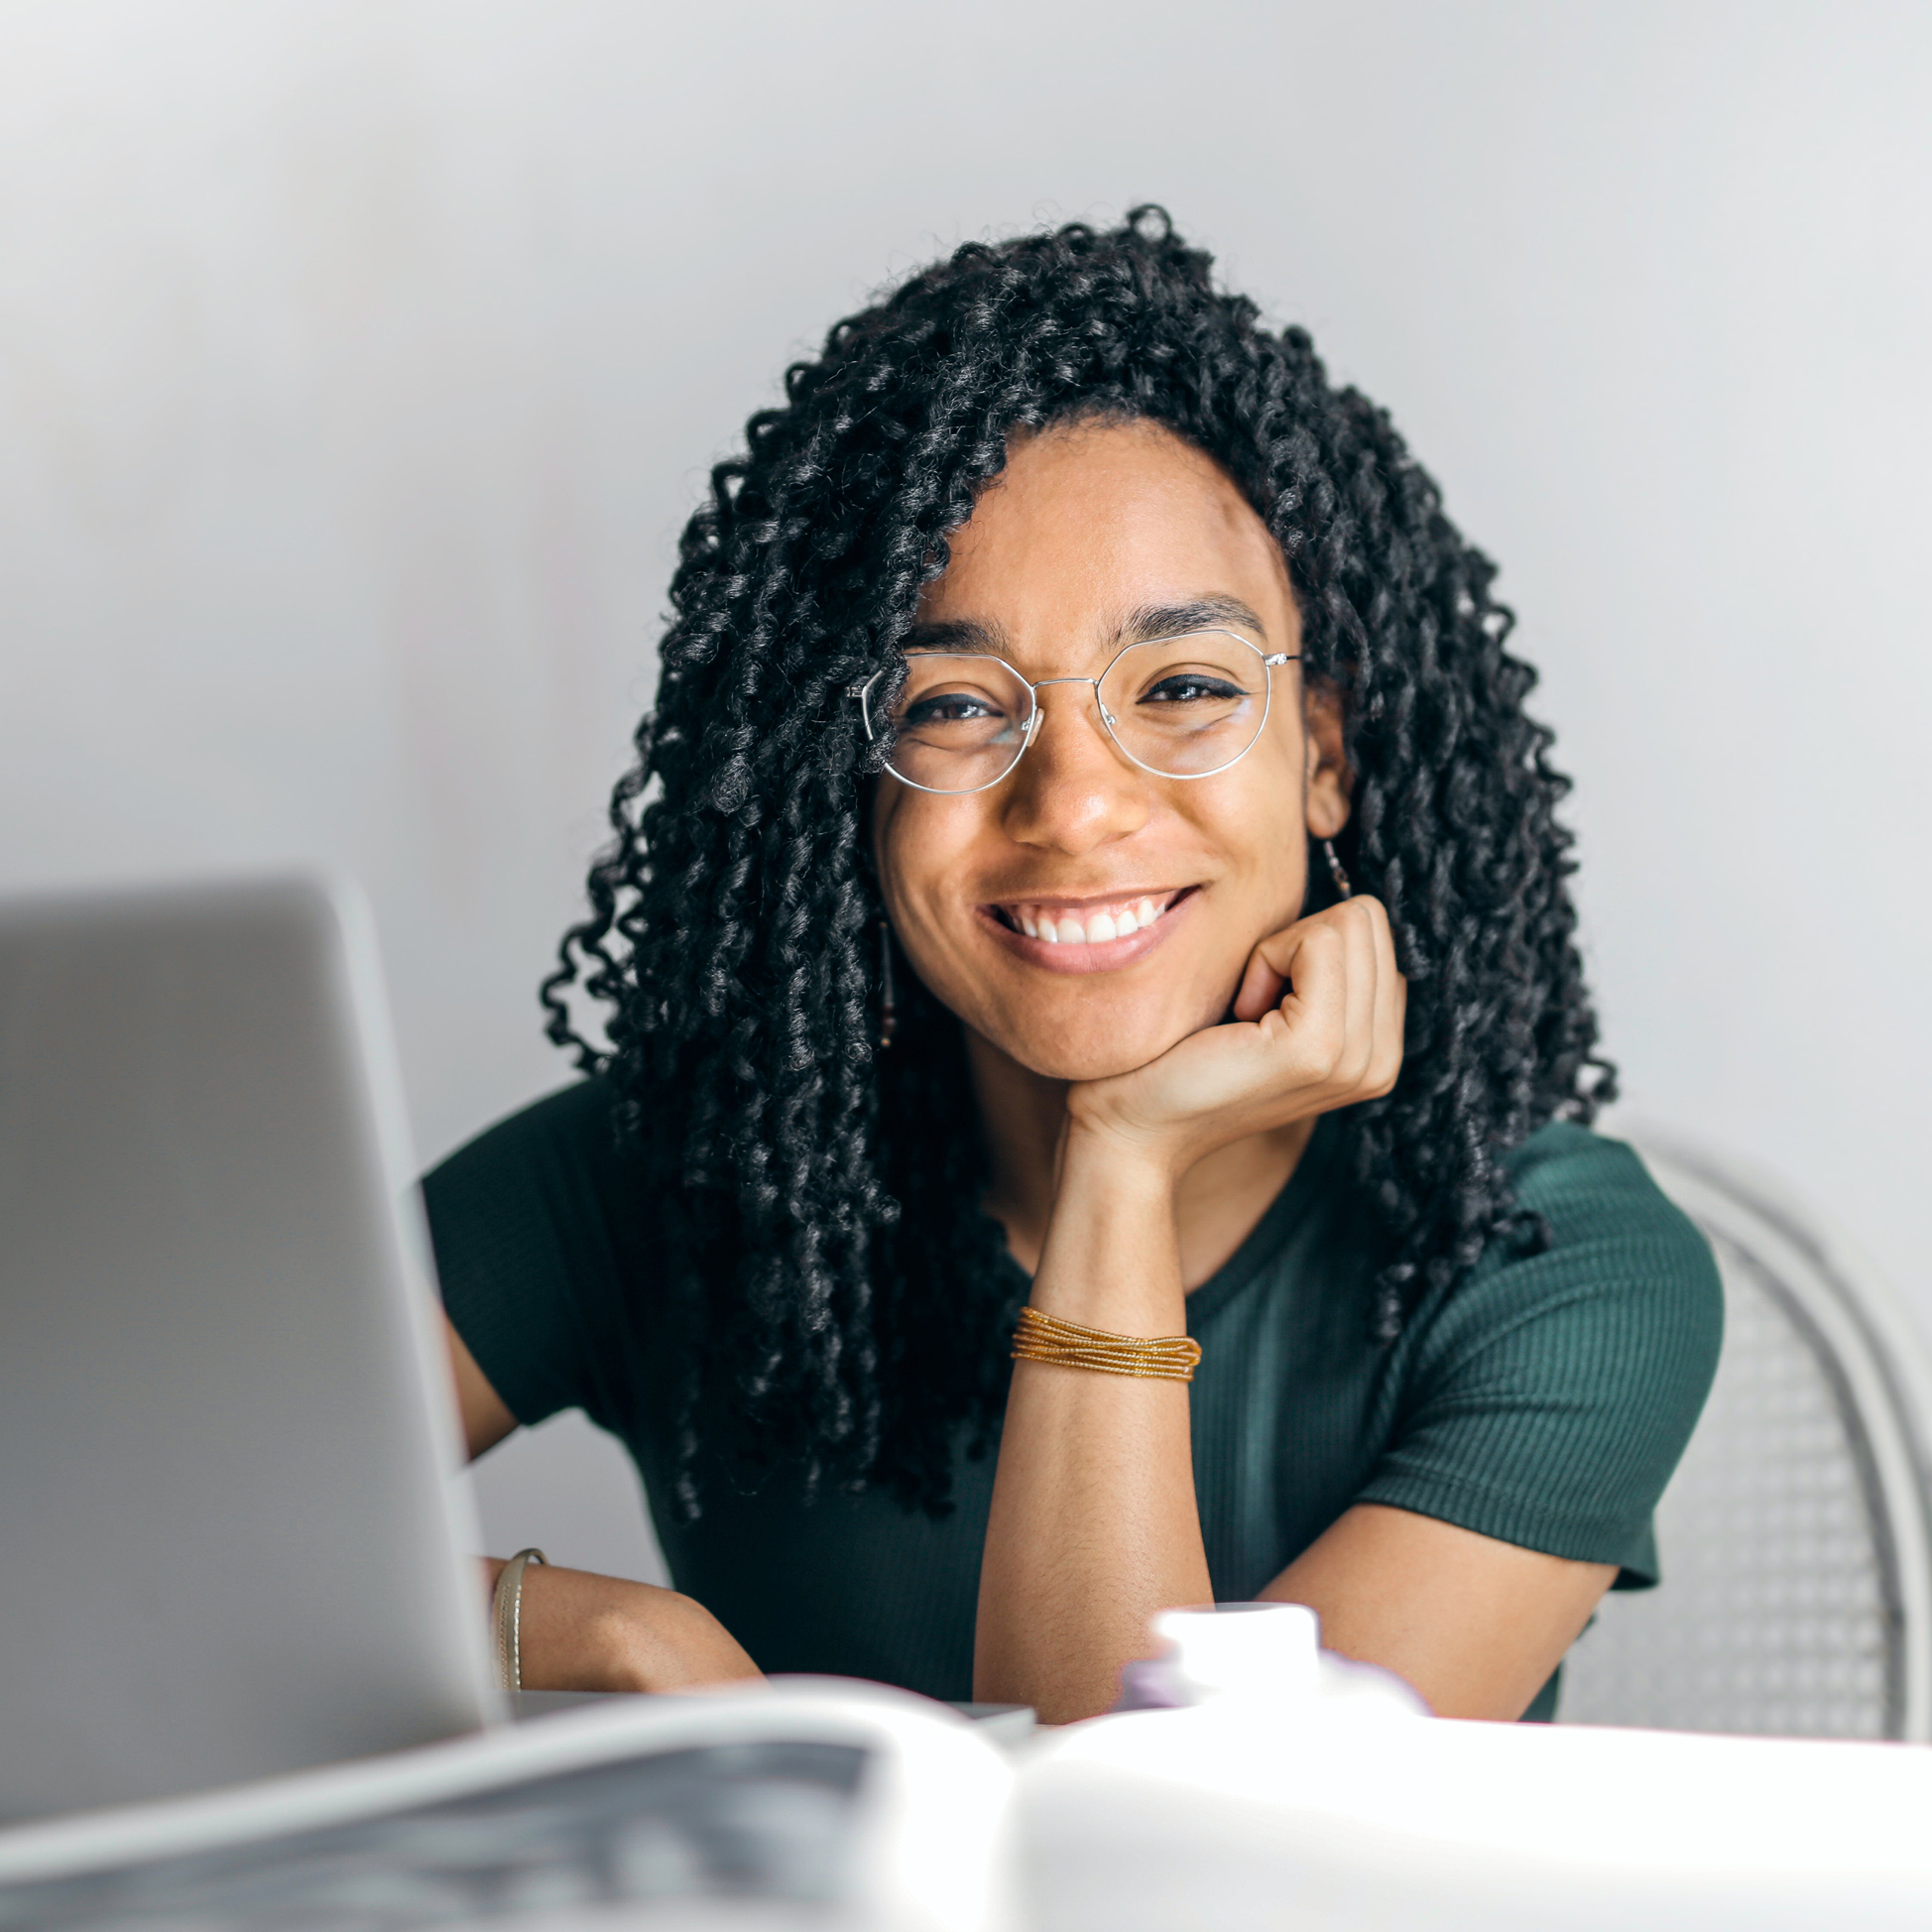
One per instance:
(1335,871)
(888,1011)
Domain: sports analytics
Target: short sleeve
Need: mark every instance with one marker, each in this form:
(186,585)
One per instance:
(1549,1397)
(522,1252)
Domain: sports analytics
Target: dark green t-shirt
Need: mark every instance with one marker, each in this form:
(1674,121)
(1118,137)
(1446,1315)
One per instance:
(1543,1400)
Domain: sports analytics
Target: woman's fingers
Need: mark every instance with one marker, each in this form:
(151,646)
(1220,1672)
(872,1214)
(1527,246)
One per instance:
(1272,975)
(1324,1004)
(1333,981)
(1364,969)
(1262,982)
(1313,1011)
(1392,1012)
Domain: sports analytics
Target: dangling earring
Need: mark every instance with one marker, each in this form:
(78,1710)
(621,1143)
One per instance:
(1335,871)
(888,1011)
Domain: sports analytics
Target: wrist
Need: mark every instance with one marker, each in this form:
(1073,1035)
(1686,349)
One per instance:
(1112,1255)
(1100,1155)
(657,1640)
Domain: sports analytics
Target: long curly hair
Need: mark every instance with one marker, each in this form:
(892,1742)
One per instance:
(839,1297)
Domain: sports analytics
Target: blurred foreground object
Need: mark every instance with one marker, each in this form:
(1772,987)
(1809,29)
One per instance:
(808,1802)
(235,1542)
(1360,1816)
(1796,1536)
(1261,1654)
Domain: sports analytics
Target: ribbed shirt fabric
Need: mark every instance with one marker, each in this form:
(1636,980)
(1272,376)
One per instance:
(1542,1400)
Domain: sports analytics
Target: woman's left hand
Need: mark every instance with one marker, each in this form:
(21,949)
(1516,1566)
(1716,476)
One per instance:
(1318,1024)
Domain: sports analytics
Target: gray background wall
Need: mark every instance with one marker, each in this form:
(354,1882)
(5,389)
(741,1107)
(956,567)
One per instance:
(358,363)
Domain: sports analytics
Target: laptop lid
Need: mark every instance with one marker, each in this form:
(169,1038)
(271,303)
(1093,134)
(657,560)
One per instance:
(231,1543)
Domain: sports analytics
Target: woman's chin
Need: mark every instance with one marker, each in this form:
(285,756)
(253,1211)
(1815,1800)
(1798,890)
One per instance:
(1063,1059)
(1088,1037)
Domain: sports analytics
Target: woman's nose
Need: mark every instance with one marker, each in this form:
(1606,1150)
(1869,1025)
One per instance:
(1073,791)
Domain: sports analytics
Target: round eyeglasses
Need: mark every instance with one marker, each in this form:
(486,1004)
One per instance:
(1180,707)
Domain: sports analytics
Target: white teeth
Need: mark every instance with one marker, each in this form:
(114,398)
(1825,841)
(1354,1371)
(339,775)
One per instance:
(1066,930)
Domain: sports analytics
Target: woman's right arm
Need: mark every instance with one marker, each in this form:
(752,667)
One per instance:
(486,1417)
(587,1632)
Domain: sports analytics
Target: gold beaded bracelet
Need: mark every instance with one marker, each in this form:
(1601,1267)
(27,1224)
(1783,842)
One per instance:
(1046,1338)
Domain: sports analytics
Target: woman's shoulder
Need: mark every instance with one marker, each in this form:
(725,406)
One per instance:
(1618,1251)
(531,1224)
(1592,1189)
(546,1186)
(573,1125)
(1578,1178)
(1550,1391)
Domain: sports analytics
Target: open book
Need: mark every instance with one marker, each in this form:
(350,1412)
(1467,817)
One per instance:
(805,1802)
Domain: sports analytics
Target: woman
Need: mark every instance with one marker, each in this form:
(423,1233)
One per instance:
(1089,858)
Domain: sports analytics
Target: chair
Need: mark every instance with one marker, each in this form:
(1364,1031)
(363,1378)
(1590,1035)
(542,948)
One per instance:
(1796,1536)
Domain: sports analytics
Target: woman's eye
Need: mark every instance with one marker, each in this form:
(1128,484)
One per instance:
(949,707)
(1191,688)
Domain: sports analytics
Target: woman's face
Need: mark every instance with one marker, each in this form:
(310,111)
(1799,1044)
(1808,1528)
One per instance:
(1092,537)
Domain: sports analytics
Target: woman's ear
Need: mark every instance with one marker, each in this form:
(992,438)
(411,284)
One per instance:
(1328,780)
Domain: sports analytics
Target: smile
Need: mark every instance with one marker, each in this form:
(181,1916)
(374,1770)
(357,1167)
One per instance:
(1072,924)
(1086,935)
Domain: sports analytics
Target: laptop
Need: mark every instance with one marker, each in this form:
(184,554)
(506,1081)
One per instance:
(232,1541)
(234,1548)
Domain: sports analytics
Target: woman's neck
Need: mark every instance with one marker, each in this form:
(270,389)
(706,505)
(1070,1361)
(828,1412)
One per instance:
(1217,1202)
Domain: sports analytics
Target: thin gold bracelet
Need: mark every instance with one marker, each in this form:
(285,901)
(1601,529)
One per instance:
(1070,1345)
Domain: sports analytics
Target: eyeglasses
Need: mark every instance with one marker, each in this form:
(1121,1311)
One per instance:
(1181,707)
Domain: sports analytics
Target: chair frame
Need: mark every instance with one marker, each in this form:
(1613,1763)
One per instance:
(1874,1357)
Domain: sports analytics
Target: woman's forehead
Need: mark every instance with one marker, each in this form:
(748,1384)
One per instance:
(1097,535)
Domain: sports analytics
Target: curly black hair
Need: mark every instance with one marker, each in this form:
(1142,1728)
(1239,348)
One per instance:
(842,1296)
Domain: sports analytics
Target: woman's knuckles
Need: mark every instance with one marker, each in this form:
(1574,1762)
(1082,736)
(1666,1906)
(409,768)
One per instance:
(1294,1060)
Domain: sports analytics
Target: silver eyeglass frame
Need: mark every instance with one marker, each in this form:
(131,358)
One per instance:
(1269,659)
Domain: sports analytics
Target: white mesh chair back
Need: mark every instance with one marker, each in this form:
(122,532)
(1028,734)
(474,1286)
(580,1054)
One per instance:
(1796,1537)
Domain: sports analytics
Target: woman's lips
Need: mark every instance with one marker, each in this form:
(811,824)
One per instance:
(1086,955)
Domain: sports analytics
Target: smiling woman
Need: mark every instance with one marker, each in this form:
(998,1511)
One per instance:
(1095,1116)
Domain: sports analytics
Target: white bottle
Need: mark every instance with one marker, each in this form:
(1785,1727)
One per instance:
(1253,1653)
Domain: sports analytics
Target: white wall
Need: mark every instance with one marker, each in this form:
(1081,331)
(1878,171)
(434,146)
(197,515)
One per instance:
(359,361)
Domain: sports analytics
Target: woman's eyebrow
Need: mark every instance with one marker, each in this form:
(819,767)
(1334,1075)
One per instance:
(957,634)
(971,634)
(1196,614)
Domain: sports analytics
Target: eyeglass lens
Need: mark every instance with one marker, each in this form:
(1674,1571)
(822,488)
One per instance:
(1182,707)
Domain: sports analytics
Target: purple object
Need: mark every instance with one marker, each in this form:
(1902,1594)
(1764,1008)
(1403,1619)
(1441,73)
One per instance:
(1150,1684)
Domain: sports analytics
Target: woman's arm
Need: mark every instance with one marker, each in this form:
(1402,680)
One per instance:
(583,1632)
(1094,1525)
(1475,1624)
(579,1632)
(485,1415)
